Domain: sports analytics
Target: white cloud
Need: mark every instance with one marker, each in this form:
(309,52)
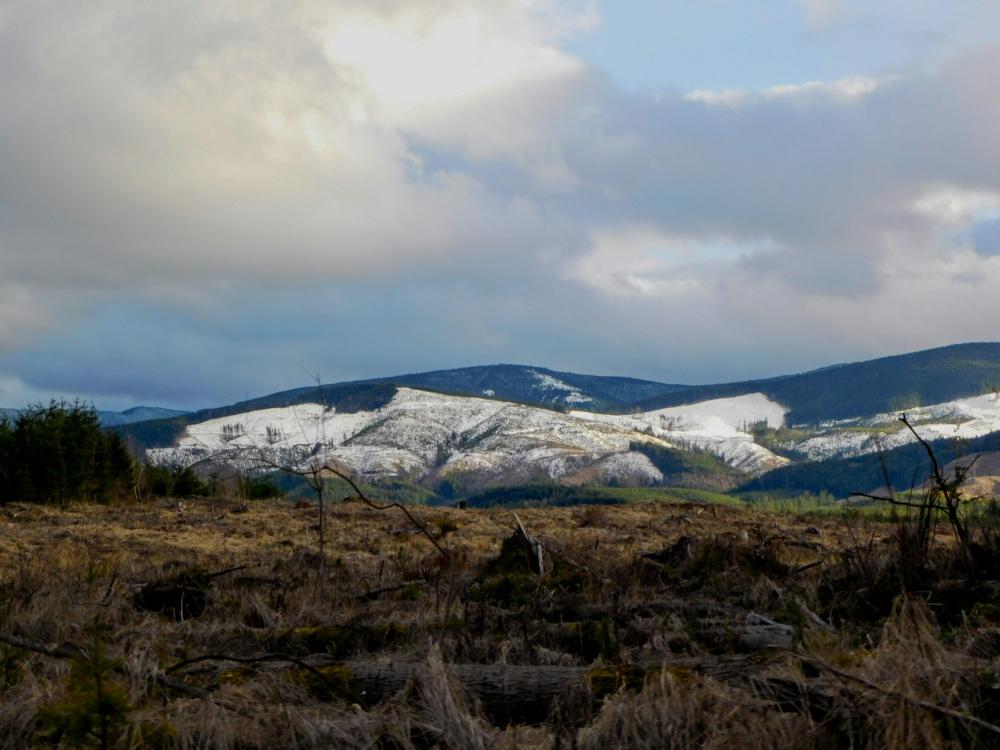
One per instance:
(954,205)
(252,140)
(489,79)
(844,90)
(642,260)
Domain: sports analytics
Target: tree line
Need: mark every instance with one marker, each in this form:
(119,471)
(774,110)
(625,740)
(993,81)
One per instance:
(60,453)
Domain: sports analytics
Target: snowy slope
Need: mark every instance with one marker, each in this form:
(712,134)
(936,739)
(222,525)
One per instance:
(426,435)
(718,426)
(962,418)
(563,391)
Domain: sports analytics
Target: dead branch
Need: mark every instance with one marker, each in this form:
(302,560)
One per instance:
(376,506)
(316,474)
(918,702)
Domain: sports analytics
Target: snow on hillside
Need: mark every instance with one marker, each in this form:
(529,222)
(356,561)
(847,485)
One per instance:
(717,426)
(573,395)
(424,434)
(963,418)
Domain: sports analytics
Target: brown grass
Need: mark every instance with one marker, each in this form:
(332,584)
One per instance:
(624,590)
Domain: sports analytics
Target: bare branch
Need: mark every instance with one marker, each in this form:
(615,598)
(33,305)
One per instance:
(919,703)
(372,504)
(315,474)
(935,466)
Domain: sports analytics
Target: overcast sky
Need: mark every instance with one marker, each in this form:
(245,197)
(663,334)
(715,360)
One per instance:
(201,201)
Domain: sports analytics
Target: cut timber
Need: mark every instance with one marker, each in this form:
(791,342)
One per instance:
(509,694)
(536,553)
(762,632)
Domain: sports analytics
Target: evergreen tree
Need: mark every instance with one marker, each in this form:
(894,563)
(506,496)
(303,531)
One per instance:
(60,453)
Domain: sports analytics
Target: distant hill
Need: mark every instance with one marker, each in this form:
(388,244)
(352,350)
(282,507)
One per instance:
(538,385)
(852,393)
(907,466)
(518,383)
(136,414)
(117,418)
(862,388)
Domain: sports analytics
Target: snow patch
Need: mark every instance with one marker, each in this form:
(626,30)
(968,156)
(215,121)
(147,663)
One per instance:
(548,383)
(962,418)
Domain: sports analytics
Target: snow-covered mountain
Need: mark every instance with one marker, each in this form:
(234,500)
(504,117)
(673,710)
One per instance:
(963,418)
(505,424)
(429,436)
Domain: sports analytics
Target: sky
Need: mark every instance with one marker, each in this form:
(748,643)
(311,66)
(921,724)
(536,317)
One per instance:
(204,202)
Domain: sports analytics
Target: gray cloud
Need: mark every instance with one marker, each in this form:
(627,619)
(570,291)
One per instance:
(193,175)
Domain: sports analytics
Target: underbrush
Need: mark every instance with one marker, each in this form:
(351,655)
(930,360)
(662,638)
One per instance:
(654,625)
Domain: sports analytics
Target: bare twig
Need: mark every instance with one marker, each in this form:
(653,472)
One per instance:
(372,504)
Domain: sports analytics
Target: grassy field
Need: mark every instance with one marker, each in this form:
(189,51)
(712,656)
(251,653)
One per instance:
(207,624)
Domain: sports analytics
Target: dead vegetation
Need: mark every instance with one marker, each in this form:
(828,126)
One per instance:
(200,625)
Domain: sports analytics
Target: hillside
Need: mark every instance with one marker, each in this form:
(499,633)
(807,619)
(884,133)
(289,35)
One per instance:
(537,424)
(429,437)
(538,385)
(907,466)
(843,391)
(864,388)
(345,398)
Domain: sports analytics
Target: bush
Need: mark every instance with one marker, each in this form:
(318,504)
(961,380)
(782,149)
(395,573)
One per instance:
(261,488)
(160,481)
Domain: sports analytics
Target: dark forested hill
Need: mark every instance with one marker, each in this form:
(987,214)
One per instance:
(907,466)
(864,388)
(538,385)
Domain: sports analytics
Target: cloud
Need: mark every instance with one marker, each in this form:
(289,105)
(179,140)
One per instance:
(843,89)
(439,183)
(251,141)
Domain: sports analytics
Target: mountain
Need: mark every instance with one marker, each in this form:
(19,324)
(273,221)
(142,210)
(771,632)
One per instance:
(137,414)
(117,418)
(865,388)
(430,437)
(512,423)
(538,385)
(906,466)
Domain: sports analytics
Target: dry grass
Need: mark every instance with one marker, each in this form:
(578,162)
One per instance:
(643,585)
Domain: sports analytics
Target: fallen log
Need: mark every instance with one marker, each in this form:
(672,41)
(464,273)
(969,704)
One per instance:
(626,612)
(762,632)
(508,694)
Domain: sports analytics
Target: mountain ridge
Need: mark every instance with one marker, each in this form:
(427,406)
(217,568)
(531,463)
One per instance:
(812,396)
(547,423)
